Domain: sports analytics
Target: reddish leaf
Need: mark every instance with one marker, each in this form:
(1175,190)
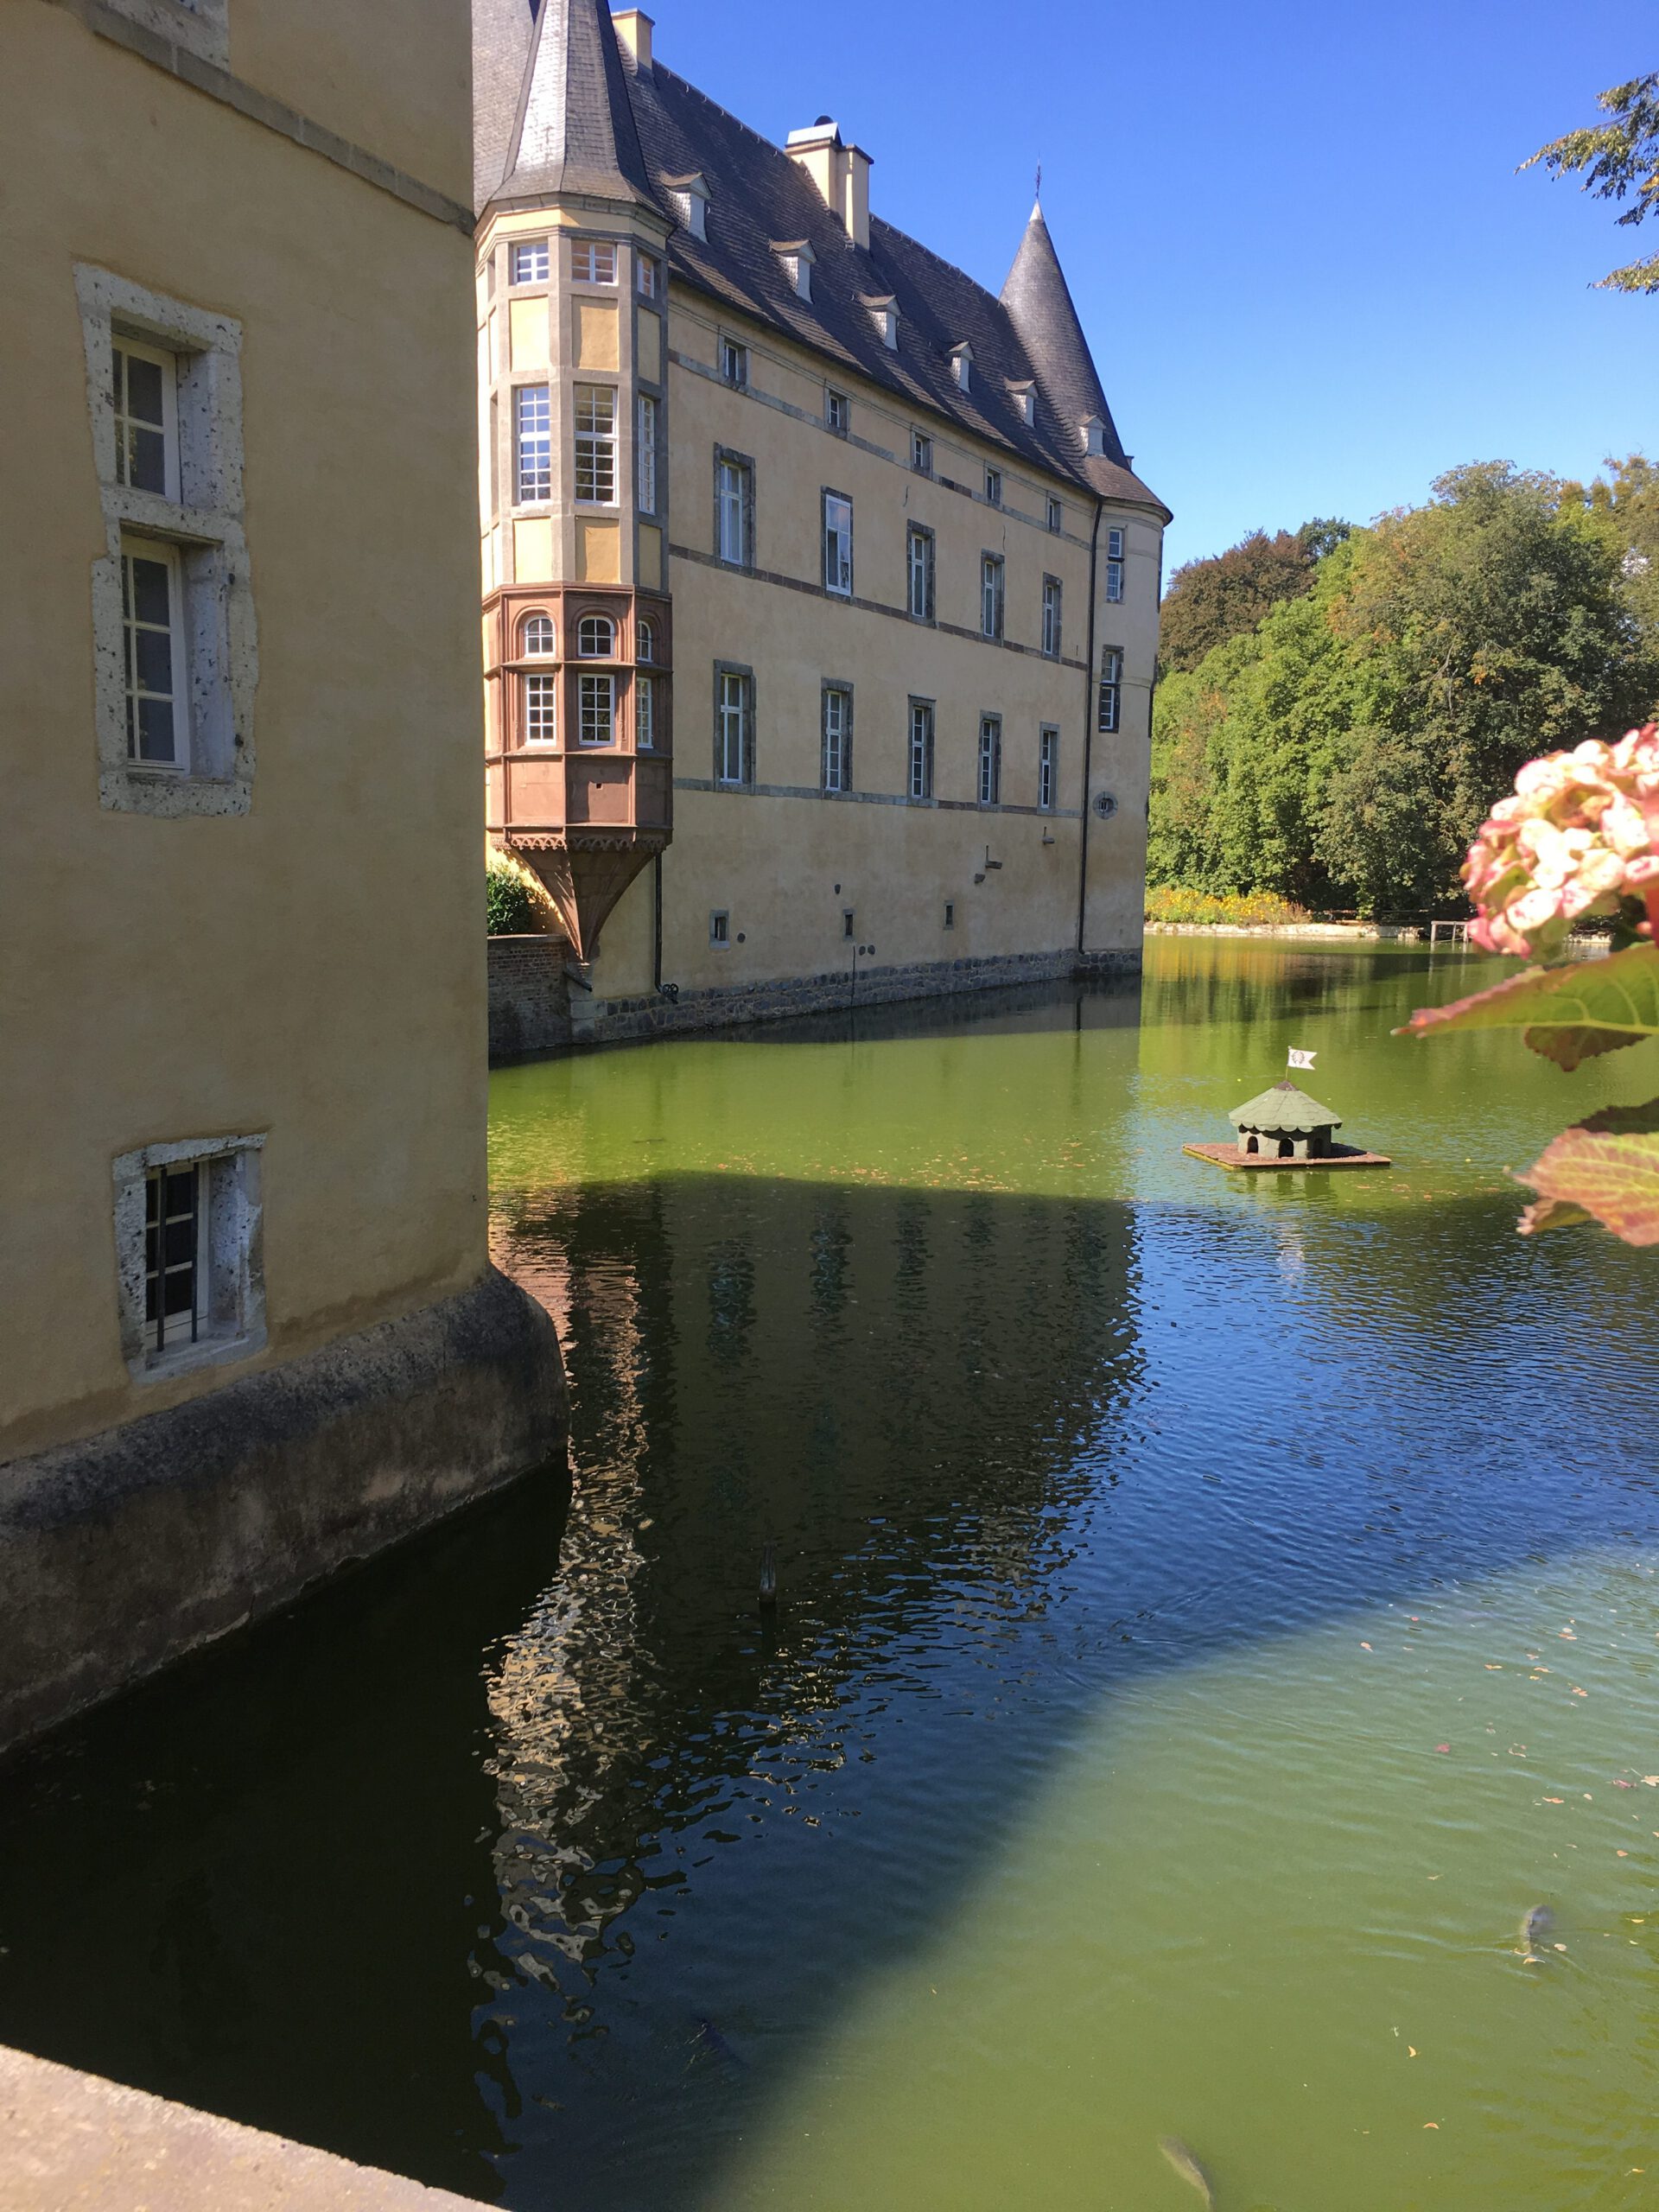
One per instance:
(1608,1167)
(1567,1013)
(1551,1213)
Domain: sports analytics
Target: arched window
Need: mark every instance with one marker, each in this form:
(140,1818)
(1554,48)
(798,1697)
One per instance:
(536,634)
(596,637)
(645,642)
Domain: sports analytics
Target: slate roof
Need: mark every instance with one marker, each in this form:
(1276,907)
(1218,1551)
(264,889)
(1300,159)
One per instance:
(595,123)
(1284,1107)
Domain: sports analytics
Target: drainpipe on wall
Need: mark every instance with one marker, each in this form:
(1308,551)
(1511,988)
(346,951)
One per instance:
(656,926)
(1088,726)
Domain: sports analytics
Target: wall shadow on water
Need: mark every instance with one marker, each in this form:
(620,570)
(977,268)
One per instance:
(538,1882)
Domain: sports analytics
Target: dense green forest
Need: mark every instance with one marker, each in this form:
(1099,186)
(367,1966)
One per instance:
(1339,708)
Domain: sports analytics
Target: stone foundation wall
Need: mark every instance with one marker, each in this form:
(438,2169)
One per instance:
(599,1021)
(125,1551)
(529,996)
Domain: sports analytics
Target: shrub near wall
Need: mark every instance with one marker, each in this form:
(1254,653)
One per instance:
(515,902)
(1173,902)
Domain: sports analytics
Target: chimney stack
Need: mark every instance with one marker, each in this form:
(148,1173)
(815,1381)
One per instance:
(840,172)
(633,29)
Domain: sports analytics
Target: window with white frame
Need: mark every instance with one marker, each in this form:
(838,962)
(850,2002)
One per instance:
(645,276)
(596,704)
(541,709)
(646,456)
(994,486)
(837,412)
(1114,564)
(919,572)
(1051,608)
(1056,515)
(176,659)
(992,574)
(593,261)
(921,453)
(188,1253)
(734,362)
(919,781)
(153,654)
(990,759)
(536,635)
(1111,686)
(837,737)
(595,445)
(733,509)
(1048,769)
(532,444)
(735,727)
(645,714)
(838,545)
(595,638)
(645,641)
(528,261)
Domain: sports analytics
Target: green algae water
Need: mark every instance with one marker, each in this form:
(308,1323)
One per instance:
(1212,1612)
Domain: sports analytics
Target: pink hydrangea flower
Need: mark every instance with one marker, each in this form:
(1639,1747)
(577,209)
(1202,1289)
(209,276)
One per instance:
(1579,837)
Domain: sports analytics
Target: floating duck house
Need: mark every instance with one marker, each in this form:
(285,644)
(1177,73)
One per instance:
(1284,1127)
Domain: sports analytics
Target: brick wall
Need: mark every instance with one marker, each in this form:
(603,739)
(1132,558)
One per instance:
(530,998)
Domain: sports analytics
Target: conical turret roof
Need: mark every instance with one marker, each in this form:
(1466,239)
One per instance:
(1285,1108)
(1041,307)
(569,121)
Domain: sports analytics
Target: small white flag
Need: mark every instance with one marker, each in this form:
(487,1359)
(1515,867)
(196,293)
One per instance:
(1301,1060)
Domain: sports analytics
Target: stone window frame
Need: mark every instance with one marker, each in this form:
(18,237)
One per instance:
(727,457)
(993,596)
(198,27)
(235,1253)
(837,589)
(205,528)
(1048,768)
(928,709)
(744,675)
(919,533)
(842,689)
(1053,620)
(987,774)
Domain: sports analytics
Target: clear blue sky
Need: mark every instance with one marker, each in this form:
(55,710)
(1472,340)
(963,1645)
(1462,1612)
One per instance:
(1311,278)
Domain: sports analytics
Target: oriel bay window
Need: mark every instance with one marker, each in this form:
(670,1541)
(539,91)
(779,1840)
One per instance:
(646,455)
(541,709)
(990,759)
(1114,564)
(920,780)
(918,554)
(838,545)
(991,573)
(153,654)
(1051,617)
(595,638)
(645,714)
(837,737)
(593,262)
(528,262)
(1111,686)
(596,406)
(532,444)
(596,700)
(733,726)
(734,509)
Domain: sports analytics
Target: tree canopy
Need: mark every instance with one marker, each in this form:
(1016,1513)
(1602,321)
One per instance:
(1344,752)
(1224,596)
(1616,158)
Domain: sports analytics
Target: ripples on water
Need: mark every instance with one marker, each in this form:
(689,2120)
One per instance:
(1210,1615)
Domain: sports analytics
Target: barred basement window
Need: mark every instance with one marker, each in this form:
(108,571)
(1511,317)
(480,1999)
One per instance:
(990,759)
(533,468)
(837,544)
(1114,564)
(837,737)
(595,638)
(153,654)
(541,710)
(991,603)
(1051,617)
(1048,770)
(646,455)
(1111,680)
(645,714)
(719,926)
(592,264)
(597,699)
(921,748)
(528,261)
(919,556)
(596,444)
(187,1250)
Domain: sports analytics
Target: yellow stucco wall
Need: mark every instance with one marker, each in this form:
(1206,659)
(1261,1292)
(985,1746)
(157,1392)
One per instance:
(313,969)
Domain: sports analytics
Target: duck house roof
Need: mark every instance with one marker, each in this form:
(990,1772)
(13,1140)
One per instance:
(1284,1108)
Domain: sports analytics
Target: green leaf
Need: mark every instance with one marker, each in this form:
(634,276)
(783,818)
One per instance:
(1607,1168)
(1567,1013)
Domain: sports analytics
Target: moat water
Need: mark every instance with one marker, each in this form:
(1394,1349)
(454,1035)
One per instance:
(1212,1613)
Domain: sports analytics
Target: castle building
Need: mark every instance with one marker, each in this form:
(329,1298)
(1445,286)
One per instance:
(820,597)
(248,1326)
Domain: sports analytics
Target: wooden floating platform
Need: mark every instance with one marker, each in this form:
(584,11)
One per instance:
(1341,1155)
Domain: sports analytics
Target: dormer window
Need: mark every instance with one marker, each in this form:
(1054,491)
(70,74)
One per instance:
(961,365)
(884,312)
(796,259)
(1094,434)
(1024,397)
(690,197)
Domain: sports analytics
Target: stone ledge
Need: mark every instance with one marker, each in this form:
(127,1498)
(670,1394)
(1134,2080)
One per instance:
(122,1552)
(72,2139)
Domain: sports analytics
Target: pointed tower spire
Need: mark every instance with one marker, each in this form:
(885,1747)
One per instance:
(1039,305)
(572,129)
(501,31)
